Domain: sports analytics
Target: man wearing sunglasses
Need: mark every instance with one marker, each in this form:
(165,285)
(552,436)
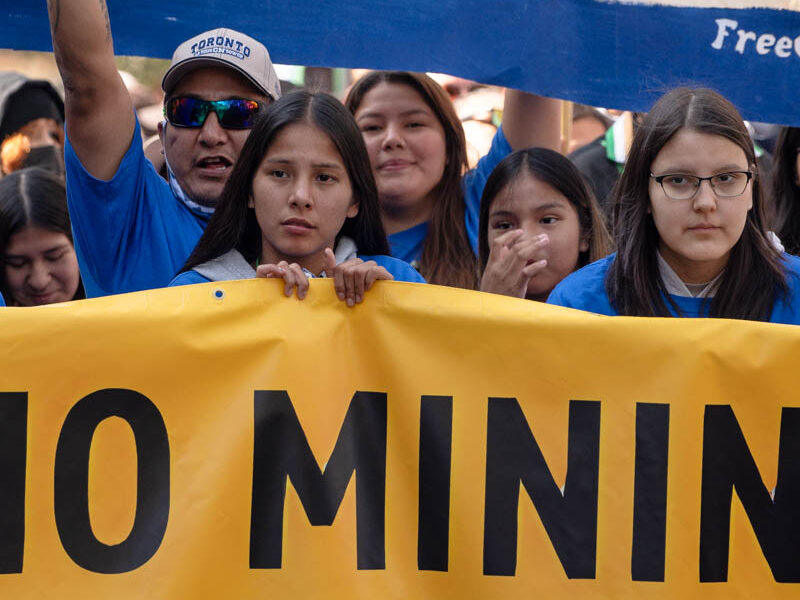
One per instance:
(134,230)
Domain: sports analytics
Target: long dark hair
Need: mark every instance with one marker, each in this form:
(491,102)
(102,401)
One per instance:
(558,171)
(785,197)
(32,197)
(447,256)
(754,274)
(234,224)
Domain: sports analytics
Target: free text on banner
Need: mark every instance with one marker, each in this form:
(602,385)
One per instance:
(169,444)
(600,52)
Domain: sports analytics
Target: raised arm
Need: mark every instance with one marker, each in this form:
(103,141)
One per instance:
(99,113)
(530,120)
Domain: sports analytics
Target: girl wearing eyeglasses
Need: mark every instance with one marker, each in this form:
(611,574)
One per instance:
(300,203)
(691,235)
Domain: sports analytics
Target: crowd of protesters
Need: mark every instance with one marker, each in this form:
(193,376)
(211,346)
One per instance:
(677,212)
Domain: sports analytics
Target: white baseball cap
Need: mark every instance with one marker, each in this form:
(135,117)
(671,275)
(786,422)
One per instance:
(224,48)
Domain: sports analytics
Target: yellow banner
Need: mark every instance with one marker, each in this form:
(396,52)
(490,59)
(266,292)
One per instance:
(223,441)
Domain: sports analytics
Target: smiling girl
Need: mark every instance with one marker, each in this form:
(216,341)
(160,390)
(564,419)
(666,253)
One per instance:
(538,223)
(39,265)
(429,202)
(691,235)
(301,202)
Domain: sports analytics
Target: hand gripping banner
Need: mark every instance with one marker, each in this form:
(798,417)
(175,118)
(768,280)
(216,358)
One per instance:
(224,441)
(600,52)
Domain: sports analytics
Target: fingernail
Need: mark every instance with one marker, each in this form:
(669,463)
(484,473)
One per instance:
(542,237)
(358,299)
(350,302)
(341,295)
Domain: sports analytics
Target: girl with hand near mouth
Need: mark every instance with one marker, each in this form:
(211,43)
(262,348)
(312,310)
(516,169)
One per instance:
(429,202)
(691,233)
(300,203)
(538,223)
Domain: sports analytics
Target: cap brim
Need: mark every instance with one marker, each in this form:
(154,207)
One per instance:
(178,71)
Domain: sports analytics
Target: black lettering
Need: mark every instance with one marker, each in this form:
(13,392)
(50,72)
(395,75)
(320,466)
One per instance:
(435,451)
(728,464)
(570,519)
(13,457)
(72,481)
(281,450)
(650,492)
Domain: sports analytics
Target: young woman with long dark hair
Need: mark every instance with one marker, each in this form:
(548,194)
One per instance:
(785,192)
(429,202)
(301,202)
(691,236)
(538,223)
(39,265)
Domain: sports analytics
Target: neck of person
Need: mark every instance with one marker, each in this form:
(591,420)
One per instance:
(692,272)
(398,215)
(314,263)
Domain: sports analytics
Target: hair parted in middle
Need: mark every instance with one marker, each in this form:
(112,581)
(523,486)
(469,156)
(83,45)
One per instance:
(447,256)
(32,197)
(754,274)
(234,224)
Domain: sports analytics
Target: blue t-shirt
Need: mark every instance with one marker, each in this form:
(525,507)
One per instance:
(130,233)
(407,244)
(2,301)
(400,270)
(585,290)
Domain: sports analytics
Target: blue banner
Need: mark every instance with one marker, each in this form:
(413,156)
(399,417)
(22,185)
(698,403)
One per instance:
(598,52)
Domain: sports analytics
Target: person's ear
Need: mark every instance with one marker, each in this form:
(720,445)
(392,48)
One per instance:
(352,210)
(583,246)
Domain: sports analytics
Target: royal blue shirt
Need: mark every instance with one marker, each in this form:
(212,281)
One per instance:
(130,233)
(407,244)
(585,290)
